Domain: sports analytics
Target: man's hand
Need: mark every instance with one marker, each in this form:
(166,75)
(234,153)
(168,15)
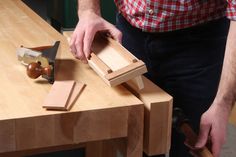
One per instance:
(213,127)
(89,24)
(214,121)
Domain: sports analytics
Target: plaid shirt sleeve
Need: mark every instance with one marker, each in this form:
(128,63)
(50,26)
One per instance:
(231,10)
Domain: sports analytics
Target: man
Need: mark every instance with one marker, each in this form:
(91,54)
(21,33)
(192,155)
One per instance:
(182,43)
(224,100)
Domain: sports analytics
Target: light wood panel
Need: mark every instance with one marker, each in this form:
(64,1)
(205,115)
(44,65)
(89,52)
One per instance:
(59,95)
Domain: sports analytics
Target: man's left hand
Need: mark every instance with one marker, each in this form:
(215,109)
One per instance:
(213,127)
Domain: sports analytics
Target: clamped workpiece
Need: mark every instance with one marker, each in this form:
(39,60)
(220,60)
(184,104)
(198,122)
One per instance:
(181,124)
(40,61)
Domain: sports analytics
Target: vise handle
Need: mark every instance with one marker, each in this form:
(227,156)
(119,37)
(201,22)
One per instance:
(34,70)
(181,123)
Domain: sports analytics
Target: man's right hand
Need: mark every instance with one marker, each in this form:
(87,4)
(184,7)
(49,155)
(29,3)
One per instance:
(89,24)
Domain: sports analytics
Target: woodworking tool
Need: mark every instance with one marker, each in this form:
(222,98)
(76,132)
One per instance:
(39,61)
(181,124)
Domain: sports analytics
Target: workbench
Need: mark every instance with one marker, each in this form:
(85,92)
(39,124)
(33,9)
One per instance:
(103,118)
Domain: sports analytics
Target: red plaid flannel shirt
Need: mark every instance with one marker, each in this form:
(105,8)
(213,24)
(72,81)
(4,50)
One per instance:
(168,15)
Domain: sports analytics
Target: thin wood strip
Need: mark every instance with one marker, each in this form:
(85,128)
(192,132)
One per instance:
(127,76)
(101,65)
(75,94)
(124,70)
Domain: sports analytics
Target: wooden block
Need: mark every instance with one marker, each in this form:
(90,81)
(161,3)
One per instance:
(137,83)
(59,95)
(157,117)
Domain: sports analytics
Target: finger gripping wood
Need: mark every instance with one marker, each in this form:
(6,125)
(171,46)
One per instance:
(34,70)
(192,137)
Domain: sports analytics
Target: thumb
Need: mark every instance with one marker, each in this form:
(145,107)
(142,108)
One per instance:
(203,136)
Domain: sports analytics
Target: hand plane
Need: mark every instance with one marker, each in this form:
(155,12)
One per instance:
(39,60)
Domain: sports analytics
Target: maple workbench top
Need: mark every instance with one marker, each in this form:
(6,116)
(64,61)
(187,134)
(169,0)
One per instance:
(23,97)
(24,124)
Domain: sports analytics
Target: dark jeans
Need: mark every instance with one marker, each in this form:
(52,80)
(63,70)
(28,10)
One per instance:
(185,63)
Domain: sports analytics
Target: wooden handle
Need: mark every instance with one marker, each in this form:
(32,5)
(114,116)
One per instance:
(192,138)
(34,70)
